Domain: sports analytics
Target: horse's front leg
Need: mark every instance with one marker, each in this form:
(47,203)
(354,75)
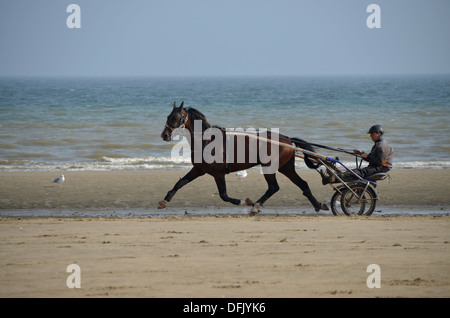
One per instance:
(191,175)
(222,187)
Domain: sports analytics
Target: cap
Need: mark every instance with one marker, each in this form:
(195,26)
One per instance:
(376,128)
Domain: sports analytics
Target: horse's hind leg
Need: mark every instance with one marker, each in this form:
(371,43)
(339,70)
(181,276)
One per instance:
(191,175)
(273,188)
(289,171)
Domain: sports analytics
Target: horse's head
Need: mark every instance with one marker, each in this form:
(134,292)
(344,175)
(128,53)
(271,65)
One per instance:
(176,119)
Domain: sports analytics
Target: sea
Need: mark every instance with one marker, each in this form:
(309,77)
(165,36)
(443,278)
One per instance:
(101,123)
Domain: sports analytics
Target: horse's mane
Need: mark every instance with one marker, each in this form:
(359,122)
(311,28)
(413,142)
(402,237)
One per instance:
(194,114)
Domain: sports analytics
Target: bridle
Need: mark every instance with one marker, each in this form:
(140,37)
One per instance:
(182,122)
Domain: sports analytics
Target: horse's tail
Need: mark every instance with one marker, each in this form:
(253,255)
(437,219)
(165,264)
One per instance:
(307,146)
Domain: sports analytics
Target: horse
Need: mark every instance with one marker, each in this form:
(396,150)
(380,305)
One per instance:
(181,117)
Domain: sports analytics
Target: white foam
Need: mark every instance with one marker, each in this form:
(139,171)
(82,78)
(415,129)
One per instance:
(422,165)
(168,163)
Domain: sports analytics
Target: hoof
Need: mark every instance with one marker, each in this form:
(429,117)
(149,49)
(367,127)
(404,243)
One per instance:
(162,204)
(255,209)
(323,206)
(246,202)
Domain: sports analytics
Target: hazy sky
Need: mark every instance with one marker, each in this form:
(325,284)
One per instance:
(223,38)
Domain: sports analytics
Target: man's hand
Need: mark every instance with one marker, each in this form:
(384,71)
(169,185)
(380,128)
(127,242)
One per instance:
(361,153)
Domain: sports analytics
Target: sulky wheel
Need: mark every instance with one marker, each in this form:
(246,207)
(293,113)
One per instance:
(336,203)
(361,204)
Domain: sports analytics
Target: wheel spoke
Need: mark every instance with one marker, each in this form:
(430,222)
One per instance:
(360,200)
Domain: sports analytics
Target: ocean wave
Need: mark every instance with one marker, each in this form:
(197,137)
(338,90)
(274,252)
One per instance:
(126,124)
(147,160)
(422,165)
(125,146)
(4,145)
(167,163)
(40,143)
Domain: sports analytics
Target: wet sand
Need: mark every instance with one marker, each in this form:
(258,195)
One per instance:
(143,189)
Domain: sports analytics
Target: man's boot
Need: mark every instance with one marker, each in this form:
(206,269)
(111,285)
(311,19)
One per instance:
(331,178)
(327,178)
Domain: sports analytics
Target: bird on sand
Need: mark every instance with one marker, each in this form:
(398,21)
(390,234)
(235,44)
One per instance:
(60,179)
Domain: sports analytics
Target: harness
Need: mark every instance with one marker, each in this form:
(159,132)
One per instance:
(182,123)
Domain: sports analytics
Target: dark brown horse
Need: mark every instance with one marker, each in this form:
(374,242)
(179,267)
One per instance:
(181,117)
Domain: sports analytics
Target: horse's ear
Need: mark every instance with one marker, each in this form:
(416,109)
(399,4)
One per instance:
(182,104)
(174,105)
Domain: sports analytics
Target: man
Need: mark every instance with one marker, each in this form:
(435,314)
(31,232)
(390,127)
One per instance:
(380,159)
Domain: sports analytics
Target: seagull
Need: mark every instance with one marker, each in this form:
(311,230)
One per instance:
(241,174)
(60,179)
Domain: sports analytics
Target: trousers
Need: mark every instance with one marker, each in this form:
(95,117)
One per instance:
(362,172)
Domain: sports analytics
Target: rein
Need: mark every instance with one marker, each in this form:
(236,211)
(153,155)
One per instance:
(184,121)
(335,149)
(305,152)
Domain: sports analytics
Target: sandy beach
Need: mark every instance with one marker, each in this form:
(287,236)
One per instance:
(222,255)
(289,256)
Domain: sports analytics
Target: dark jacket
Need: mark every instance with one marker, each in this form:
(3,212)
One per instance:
(382,154)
